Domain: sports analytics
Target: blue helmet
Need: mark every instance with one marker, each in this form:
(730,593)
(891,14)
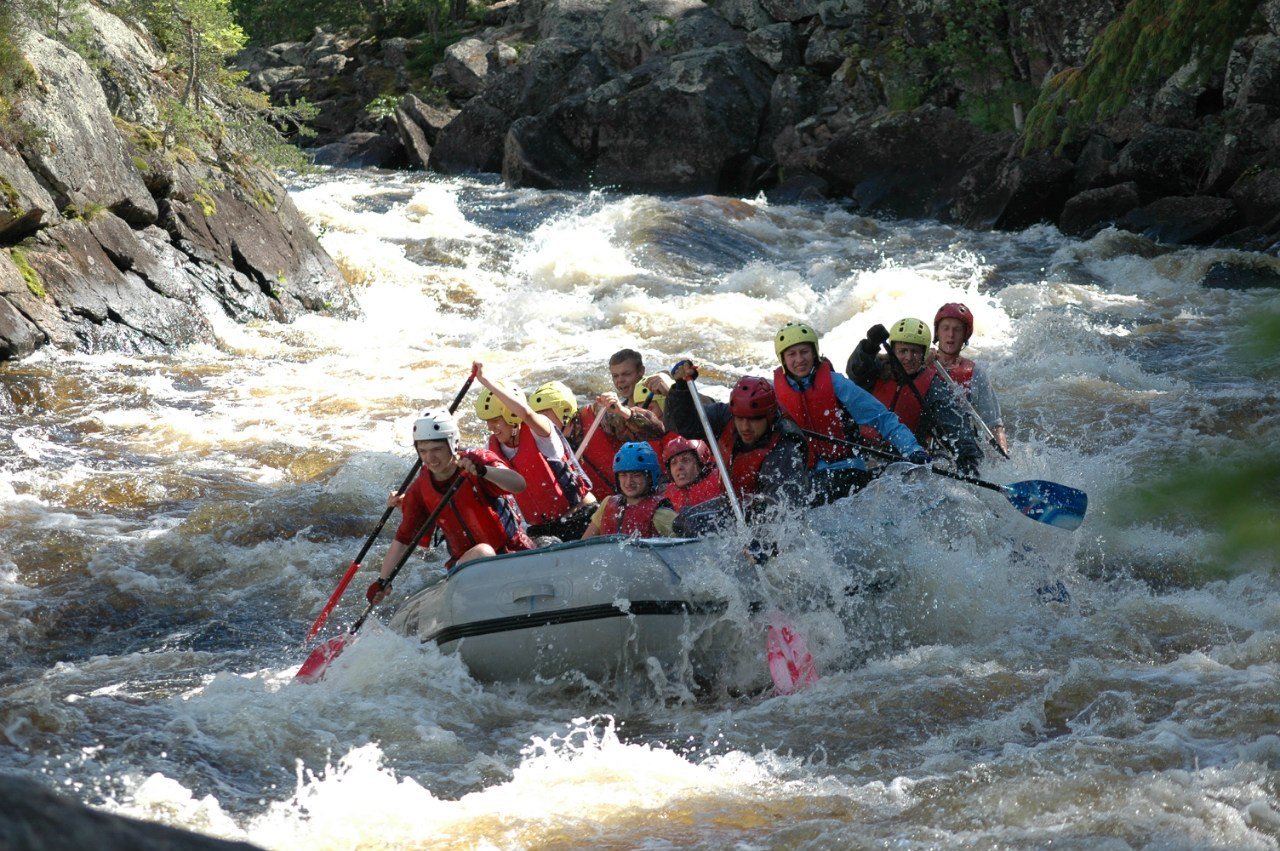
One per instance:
(639,457)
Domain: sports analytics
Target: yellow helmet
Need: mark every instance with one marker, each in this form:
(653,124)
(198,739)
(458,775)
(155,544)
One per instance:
(790,334)
(912,331)
(641,394)
(557,397)
(489,406)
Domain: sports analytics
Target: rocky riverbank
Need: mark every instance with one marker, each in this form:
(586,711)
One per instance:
(111,240)
(799,99)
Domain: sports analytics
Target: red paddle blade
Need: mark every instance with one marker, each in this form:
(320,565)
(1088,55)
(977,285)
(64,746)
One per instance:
(317,663)
(333,600)
(790,663)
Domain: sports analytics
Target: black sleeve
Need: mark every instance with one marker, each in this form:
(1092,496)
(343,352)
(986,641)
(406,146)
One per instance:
(862,368)
(784,475)
(948,424)
(682,418)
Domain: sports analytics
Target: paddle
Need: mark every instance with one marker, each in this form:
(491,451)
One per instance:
(317,663)
(1044,501)
(963,398)
(791,665)
(377,530)
(596,418)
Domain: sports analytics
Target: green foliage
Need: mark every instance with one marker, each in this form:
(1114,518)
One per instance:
(1148,42)
(16,76)
(86,212)
(383,106)
(1237,497)
(28,272)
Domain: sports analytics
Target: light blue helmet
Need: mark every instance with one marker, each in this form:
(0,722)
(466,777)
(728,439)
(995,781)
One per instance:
(639,457)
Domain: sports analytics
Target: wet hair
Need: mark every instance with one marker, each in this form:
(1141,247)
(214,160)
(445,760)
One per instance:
(625,355)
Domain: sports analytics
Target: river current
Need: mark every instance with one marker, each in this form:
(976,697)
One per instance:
(170,526)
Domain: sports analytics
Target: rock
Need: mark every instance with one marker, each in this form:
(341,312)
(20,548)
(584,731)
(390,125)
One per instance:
(127,62)
(633,31)
(33,817)
(420,126)
(793,97)
(468,65)
(777,46)
(827,49)
(1197,219)
(1270,10)
(790,10)
(24,203)
(1259,82)
(1258,198)
(743,14)
(843,14)
(474,141)
(1163,161)
(360,150)
(1094,163)
(1263,273)
(1177,103)
(81,156)
(1026,191)
(1088,212)
(712,101)
(18,336)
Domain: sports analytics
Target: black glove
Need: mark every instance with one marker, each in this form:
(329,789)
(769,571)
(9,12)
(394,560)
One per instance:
(967,467)
(919,457)
(877,334)
(376,590)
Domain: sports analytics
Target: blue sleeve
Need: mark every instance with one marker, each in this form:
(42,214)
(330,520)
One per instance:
(868,410)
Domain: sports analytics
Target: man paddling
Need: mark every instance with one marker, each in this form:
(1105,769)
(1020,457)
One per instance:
(482,519)
(557,500)
(952,328)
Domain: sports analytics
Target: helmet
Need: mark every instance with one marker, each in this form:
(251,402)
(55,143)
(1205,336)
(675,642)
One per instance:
(488,406)
(641,395)
(556,396)
(753,397)
(436,424)
(954,310)
(679,445)
(794,332)
(910,331)
(638,457)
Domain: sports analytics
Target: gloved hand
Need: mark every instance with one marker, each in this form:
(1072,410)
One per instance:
(967,467)
(377,591)
(877,334)
(919,457)
(684,371)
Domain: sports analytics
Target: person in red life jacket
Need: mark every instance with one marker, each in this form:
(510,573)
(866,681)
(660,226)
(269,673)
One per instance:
(763,450)
(621,423)
(656,404)
(920,397)
(481,519)
(557,499)
(637,508)
(821,400)
(691,469)
(952,328)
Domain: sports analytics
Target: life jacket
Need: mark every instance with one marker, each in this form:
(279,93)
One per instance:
(817,409)
(597,460)
(905,404)
(631,519)
(961,373)
(552,488)
(744,466)
(705,488)
(478,513)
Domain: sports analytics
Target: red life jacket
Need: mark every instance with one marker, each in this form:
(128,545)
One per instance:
(552,488)
(479,513)
(705,488)
(899,399)
(744,467)
(598,459)
(816,409)
(631,519)
(961,373)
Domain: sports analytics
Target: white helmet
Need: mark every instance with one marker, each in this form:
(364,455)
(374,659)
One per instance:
(436,424)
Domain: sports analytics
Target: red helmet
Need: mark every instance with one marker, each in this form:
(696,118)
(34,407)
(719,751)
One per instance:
(679,445)
(753,397)
(954,310)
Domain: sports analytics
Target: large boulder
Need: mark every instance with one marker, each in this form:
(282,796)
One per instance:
(1163,161)
(1193,219)
(24,202)
(80,155)
(711,102)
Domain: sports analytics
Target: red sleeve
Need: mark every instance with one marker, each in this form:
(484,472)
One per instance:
(413,511)
(489,459)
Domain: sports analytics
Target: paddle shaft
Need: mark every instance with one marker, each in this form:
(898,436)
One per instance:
(715,452)
(377,530)
(963,398)
(597,417)
(864,449)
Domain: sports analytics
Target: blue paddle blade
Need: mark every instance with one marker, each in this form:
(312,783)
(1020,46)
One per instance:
(1048,502)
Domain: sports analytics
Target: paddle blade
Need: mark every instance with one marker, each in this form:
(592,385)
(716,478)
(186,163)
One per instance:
(790,663)
(1048,502)
(317,663)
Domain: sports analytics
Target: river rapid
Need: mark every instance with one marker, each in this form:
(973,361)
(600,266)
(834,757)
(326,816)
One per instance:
(171,525)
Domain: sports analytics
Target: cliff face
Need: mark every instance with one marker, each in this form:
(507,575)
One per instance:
(108,240)
(871,101)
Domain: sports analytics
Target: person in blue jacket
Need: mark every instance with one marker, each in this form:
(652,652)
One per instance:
(822,402)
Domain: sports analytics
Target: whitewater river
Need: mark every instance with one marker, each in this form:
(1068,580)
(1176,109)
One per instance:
(170,526)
